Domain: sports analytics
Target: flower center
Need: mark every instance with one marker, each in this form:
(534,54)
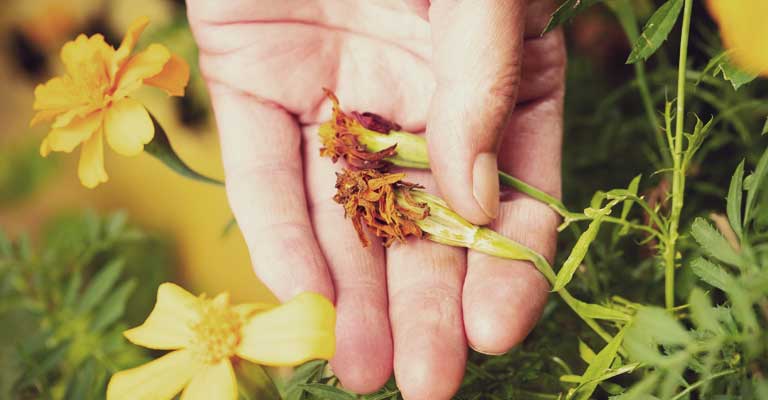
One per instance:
(217,333)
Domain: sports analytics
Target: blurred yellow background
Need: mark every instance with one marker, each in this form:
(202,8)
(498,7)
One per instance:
(193,214)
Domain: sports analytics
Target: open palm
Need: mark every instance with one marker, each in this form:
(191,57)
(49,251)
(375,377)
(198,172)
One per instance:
(465,73)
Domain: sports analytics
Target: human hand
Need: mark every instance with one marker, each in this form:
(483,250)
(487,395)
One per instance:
(480,81)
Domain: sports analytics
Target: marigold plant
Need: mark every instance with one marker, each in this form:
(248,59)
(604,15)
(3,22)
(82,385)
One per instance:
(91,101)
(207,336)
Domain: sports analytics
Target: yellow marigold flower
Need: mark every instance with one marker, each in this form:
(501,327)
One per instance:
(90,101)
(744,32)
(208,335)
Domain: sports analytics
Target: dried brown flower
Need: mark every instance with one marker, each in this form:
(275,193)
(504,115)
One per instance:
(341,138)
(382,202)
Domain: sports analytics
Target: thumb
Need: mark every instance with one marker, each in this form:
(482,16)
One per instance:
(477,56)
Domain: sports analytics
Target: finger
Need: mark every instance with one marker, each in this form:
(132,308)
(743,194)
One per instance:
(425,310)
(503,299)
(262,162)
(477,48)
(363,360)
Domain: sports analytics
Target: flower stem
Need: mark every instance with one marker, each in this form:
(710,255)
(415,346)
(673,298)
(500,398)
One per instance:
(490,242)
(517,184)
(678,173)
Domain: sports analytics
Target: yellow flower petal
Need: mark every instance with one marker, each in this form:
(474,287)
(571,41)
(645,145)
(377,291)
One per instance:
(173,78)
(128,127)
(88,61)
(91,167)
(248,310)
(160,379)
(290,334)
(168,325)
(213,382)
(67,138)
(55,97)
(744,32)
(129,41)
(146,64)
(45,148)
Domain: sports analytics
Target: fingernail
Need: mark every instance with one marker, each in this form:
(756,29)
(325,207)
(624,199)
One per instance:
(485,183)
(487,353)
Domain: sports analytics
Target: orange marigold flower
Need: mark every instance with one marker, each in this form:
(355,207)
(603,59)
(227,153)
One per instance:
(382,202)
(91,100)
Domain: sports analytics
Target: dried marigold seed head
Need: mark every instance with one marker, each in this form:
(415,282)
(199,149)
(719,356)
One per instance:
(341,137)
(382,202)
(375,122)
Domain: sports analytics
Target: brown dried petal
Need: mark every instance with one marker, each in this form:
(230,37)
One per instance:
(344,143)
(370,197)
(375,122)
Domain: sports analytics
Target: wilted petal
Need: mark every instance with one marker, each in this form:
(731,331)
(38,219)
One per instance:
(78,131)
(128,127)
(146,64)
(160,379)
(168,325)
(91,168)
(290,334)
(212,382)
(173,78)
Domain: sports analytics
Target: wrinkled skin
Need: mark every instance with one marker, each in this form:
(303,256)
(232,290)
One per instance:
(476,76)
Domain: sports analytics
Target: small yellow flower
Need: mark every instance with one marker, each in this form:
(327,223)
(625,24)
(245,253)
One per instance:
(90,102)
(208,335)
(744,32)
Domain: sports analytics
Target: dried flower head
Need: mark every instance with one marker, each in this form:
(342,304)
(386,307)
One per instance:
(340,137)
(368,141)
(382,202)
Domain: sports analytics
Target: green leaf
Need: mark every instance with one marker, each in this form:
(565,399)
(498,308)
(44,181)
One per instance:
(702,313)
(596,311)
(695,140)
(160,148)
(765,127)
(114,307)
(101,284)
(73,289)
(655,31)
(307,372)
(712,274)
(254,383)
(743,309)
(756,179)
(642,389)
(627,206)
(601,363)
(733,74)
(735,199)
(713,243)
(578,253)
(711,65)
(326,392)
(568,10)
(585,352)
(660,325)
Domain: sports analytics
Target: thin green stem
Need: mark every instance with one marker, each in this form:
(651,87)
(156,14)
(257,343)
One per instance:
(517,184)
(693,387)
(678,174)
